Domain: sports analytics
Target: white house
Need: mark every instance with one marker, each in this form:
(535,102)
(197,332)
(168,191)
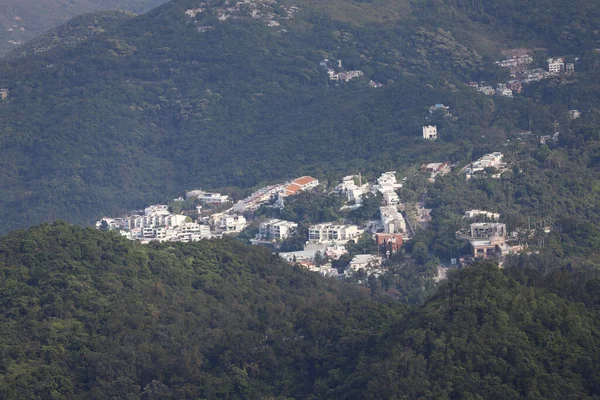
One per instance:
(430,132)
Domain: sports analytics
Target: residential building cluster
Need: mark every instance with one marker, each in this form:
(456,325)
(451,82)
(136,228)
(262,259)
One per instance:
(344,76)
(387,185)
(491,160)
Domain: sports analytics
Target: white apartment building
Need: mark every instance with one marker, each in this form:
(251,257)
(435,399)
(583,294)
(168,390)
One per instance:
(323,233)
(276,229)
(556,65)
(155,220)
(430,132)
(392,220)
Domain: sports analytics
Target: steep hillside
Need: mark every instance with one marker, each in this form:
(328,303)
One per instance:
(23,20)
(73,32)
(232,94)
(88,314)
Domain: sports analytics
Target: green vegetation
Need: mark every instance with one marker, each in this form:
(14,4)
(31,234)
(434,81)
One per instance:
(88,314)
(25,20)
(151,106)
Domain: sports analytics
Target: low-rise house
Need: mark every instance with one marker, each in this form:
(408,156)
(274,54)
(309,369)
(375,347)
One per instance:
(207,197)
(574,114)
(4,94)
(480,213)
(275,229)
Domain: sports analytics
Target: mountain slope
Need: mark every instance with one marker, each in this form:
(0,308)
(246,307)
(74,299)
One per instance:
(215,96)
(73,32)
(23,20)
(88,314)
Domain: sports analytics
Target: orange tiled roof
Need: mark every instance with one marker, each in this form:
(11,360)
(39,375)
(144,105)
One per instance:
(303,180)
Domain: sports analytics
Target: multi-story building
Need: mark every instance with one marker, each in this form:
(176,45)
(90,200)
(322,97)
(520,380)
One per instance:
(323,233)
(276,229)
(392,220)
(430,132)
(556,65)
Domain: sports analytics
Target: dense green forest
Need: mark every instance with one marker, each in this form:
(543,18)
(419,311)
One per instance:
(25,20)
(86,313)
(169,101)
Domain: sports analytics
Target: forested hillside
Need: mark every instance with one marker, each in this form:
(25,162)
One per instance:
(24,20)
(187,97)
(89,314)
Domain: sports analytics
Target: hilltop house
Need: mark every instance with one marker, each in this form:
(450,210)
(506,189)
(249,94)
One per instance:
(430,132)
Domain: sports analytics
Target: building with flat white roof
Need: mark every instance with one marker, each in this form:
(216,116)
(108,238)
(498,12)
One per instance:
(430,132)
